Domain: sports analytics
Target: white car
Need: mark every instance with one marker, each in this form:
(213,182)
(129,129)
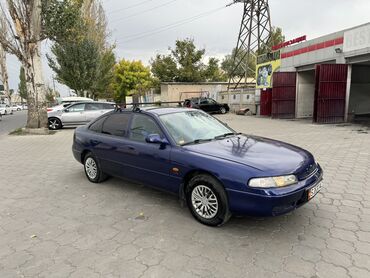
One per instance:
(16,107)
(5,109)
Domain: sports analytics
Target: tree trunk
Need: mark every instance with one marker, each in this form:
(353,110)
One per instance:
(4,73)
(36,99)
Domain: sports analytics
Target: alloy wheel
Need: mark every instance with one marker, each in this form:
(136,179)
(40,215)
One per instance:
(223,110)
(91,168)
(204,202)
(54,124)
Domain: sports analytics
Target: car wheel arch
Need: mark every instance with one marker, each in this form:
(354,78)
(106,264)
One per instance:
(84,154)
(191,174)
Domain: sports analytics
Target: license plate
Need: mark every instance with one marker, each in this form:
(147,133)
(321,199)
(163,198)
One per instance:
(314,190)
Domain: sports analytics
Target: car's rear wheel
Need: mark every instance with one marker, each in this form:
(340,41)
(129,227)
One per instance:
(207,200)
(54,124)
(223,110)
(92,169)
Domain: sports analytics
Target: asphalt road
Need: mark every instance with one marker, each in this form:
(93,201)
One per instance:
(12,122)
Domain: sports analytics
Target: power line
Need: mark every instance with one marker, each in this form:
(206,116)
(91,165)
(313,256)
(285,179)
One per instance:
(129,7)
(170,26)
(145,11)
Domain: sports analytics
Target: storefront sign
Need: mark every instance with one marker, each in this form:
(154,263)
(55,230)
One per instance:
(357,39)
(267,64)
(287,43)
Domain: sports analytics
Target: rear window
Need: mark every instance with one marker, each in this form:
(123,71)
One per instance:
(98,125)
(116,124)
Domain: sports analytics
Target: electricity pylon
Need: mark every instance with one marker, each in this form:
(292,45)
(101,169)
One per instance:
(255,31)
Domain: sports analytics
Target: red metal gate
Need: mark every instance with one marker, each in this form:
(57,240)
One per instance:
(266,102)
(284,95)
(330,93)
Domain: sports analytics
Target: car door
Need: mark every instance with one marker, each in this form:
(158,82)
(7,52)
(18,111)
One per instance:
(109,142)
(213,105)
(92,111)
(74,114)
(204,105)
(148,163)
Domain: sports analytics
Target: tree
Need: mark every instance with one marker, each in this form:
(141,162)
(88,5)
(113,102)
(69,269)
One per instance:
(189,60)
(25,29)
(164,67)
(75,64)
(185,64)
(101,86)
(276,38)
(85,62)
(22,86)
(213,72)
(228,63)
(3,67)
(130,76)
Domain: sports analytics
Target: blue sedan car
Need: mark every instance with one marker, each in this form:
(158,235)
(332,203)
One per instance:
(217,171)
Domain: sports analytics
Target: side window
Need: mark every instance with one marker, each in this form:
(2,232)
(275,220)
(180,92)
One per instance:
(212,101)
(204,101)
(77,108)
(142,126)
(106,106)
(116,124)
(92,106)
(98,125)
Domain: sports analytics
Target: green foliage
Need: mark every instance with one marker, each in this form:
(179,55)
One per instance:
(276,38)
(61,19)
(101,88)
(164,67)
(22,87)
(213,72)
(227,64)
(185,64)
(130,77)
(75,64)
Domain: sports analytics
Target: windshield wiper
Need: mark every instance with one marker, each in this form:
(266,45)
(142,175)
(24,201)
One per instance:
(197,141)
(225,135)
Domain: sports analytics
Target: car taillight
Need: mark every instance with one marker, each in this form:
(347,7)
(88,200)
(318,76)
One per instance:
(49,109)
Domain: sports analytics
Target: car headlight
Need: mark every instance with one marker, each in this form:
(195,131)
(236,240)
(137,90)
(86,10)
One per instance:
(273,181)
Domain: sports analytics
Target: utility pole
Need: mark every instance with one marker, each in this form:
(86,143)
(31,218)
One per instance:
(255,31)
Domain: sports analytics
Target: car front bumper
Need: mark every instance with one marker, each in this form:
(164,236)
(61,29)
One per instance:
(273,202)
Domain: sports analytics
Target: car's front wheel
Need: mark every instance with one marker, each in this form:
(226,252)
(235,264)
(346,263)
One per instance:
(54,123)
(207,200)
(92,169)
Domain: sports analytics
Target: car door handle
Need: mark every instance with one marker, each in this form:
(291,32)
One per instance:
(131,148)
(95,142)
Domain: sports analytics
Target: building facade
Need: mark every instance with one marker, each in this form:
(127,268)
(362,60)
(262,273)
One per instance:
(326,79)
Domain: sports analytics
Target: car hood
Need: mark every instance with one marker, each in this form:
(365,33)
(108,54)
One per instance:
(274,157)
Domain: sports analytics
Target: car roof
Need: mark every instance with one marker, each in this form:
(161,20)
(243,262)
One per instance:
(159,111)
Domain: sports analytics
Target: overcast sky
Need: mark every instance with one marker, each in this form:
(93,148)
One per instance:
(142,28)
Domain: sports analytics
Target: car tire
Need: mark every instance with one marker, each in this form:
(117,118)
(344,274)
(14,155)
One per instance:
(54,124)
(6,112)
(207,200)
(92,169)
(223,110)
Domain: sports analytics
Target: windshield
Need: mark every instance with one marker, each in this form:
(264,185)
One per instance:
(193,127)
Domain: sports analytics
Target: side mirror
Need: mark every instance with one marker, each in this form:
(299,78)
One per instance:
(66,110)
(156,139)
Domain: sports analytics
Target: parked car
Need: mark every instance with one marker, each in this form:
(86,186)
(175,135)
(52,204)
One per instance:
(58,107)
(217,171)
(24,107)
(208,105)
(16,107)
(5,109)
(78,114)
